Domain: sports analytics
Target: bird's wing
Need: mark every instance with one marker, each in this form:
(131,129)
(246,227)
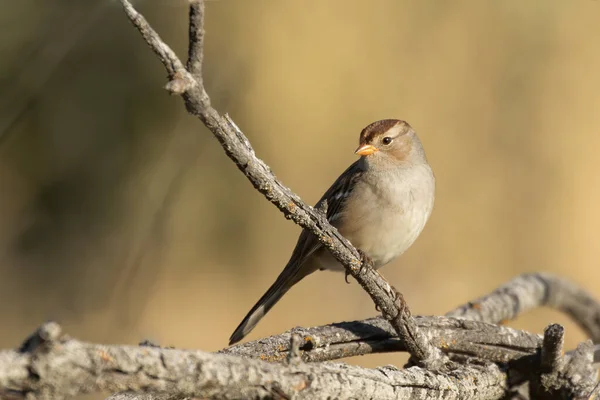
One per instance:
(335,197)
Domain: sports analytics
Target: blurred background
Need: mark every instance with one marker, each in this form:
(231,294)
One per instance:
(121,217)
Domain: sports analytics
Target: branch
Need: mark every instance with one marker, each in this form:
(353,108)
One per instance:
(52,366)
(530,291)
(196,39)
(560,377)
(375,335)
(238,149)
(553,349)
(166,56)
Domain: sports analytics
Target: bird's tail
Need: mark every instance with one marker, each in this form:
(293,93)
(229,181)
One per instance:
(288,278)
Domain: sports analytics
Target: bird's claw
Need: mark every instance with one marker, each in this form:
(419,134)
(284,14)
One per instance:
(399,298)
(364,261)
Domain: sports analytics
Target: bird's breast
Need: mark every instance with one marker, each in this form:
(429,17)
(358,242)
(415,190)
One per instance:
(385,214)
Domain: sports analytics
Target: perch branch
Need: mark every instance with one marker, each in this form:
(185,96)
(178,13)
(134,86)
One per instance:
(52,366)
(238,149)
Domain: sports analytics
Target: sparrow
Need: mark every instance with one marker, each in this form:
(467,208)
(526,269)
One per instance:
(380,203)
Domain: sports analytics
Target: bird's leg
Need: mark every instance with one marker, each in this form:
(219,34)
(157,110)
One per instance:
(399,298)
(364,261)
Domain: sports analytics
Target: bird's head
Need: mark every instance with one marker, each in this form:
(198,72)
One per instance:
(390,141)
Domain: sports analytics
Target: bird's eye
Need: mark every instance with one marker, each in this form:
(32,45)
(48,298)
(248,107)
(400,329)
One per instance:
(387,140)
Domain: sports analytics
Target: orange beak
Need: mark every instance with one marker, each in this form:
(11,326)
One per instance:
(366,149)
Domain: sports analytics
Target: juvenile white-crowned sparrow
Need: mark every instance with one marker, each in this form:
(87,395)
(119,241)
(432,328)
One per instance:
(380,203)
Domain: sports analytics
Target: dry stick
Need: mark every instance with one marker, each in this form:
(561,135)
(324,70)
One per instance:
(470,338)
(547,382)
(49,365)
(375,335)
(196,40)
(563,377)
(238,149)
(552,357)
(347,339)
(530,291)
(52,366)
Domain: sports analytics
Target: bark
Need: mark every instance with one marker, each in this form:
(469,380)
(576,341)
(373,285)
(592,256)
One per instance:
(50,365)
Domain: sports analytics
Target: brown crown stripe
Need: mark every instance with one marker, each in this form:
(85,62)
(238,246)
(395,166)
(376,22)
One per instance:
(377,128)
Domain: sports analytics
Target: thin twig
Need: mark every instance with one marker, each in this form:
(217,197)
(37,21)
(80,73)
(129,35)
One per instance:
(166,56)
(196,39)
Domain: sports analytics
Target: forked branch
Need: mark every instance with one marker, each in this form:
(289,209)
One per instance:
(189,83)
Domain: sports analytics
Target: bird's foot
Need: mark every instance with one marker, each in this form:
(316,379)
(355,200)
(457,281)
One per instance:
(365,261)
(399,299)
